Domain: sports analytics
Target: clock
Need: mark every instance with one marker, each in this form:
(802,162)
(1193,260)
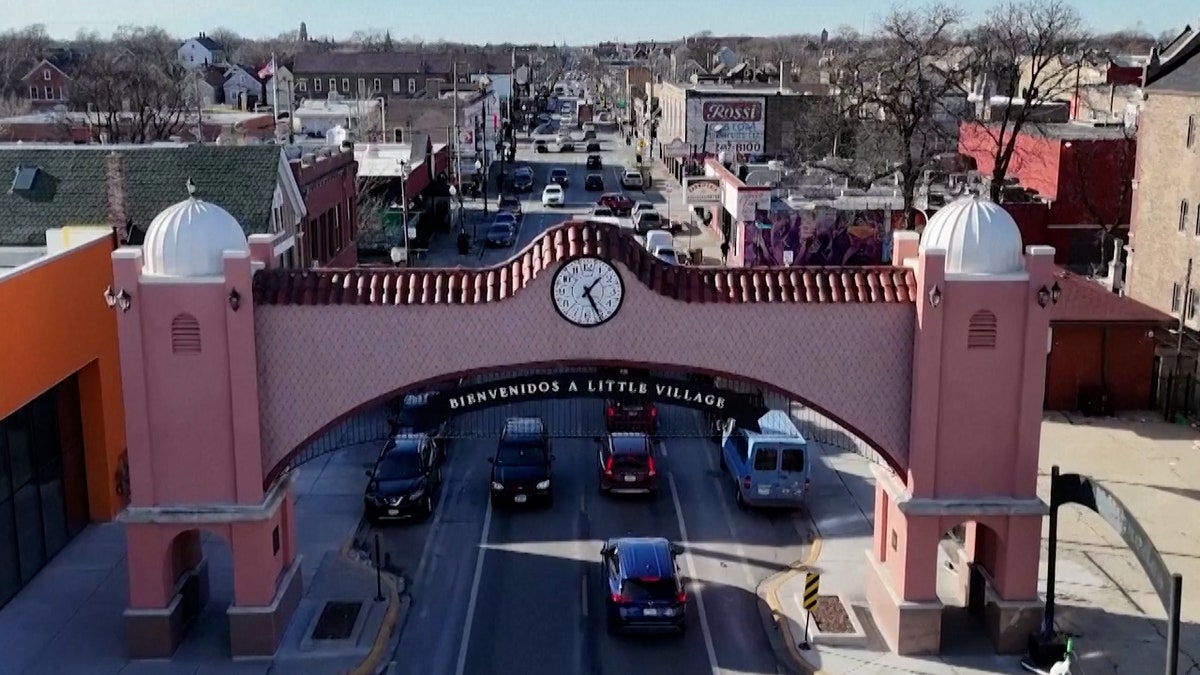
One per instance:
(587,291)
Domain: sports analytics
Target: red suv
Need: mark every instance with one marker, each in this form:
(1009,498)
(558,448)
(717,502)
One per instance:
(619,203)
(625,415)
(626,464)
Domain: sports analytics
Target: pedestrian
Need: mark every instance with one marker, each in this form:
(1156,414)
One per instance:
(724,253)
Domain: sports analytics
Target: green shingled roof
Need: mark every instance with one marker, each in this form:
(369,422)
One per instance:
(72,186)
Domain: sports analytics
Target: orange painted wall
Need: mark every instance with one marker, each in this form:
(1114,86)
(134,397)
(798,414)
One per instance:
(54,322)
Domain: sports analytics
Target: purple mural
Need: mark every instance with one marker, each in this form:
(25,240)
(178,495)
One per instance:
(824,236)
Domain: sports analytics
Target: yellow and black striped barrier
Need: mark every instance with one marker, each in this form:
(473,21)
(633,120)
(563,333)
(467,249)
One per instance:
(812,590)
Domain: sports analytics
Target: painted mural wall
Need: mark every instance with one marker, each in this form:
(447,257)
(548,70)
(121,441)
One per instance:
(823,236)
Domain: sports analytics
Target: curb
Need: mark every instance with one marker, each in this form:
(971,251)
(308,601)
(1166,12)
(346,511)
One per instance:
(773,617)
(371,664)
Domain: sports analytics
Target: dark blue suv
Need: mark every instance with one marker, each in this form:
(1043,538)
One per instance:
(643,584)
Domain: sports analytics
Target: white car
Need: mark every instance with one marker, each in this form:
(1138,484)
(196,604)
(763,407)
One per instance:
(553,195)
(632,178)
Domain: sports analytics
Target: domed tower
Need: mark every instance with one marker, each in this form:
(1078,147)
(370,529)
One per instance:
(190,380)
(979,361)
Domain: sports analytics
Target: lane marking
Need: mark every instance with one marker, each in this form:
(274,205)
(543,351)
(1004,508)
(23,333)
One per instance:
(738,549)
(434,529)
(709,648)
(465,645)
(583,596)
(583,503)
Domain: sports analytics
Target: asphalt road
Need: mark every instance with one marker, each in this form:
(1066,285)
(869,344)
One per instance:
(518,591)
(615,156)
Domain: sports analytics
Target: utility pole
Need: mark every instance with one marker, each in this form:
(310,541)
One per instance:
(455,148)
(1183,317)
(650,108)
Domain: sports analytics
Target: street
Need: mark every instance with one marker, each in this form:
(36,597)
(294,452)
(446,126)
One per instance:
(615,156)
(519,591)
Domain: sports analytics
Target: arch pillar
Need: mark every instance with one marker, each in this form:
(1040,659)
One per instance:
(979,358)
(190,381)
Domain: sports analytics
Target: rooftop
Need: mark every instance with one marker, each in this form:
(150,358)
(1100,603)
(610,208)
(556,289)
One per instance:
(387,159)
(339,108)
(1079,131)
(221,116)
(57,242)
(72,185)
(1087,301)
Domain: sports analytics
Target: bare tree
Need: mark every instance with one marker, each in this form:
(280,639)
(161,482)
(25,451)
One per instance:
(132,88)
(229,39)
(20,51)
(897,87)
(1035,49)
(373,40)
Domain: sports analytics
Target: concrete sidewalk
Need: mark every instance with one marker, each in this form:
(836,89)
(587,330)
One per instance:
(68,620)
(1103,596)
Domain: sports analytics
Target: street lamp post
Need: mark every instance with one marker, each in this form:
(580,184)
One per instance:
(404,173)
(479,172)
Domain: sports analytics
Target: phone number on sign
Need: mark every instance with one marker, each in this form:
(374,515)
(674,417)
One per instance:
(740,147)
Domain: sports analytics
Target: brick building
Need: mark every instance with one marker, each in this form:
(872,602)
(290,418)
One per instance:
(1082,176)
(48,84)
(327,182)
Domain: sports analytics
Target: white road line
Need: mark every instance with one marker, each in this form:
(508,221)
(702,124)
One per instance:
(691,564)
(662,448)
(738,549)
(583,585)
(419,577)
(465,645)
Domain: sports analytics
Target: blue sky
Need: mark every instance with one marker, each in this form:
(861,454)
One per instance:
(572,21)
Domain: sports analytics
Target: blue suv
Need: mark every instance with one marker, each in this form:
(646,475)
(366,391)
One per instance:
(643,584)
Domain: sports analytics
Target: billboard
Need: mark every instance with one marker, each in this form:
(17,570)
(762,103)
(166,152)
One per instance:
(736,125)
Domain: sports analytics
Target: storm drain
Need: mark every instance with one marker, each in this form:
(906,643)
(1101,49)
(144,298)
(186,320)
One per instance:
(337,621)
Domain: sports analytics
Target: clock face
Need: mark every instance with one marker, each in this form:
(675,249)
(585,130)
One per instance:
(587,291)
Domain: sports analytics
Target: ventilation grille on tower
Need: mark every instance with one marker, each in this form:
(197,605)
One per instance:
(981,332)
(185,335)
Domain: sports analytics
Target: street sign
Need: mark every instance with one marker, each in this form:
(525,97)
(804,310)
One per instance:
(812,586)
(676,149)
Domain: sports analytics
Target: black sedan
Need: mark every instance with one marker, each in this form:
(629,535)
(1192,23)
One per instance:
(404,480)
(559,176)
(594,183)
(509,204)
(522,180)
(593,162)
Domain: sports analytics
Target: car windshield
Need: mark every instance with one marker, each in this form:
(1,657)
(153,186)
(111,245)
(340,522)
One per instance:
(499,228)
(509,202)
(554,189)
(521,452)
(558,173)
(398,466)
(649,215)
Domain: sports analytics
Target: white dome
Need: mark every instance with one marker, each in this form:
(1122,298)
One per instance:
(978,236)
(190,238)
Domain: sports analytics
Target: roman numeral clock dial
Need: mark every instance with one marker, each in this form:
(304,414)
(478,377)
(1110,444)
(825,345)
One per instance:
(587,291)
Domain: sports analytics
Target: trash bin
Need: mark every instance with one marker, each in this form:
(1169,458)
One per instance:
(696,256)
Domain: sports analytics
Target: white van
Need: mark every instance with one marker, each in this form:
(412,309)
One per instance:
(662,245)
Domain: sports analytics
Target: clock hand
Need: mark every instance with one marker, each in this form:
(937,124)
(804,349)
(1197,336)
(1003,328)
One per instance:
(592,302)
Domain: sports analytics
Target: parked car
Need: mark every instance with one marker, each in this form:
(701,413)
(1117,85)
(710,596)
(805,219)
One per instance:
(648,220)
(593,161)
(662,246)
(619,203)
(523,464)
(404,480)
(594,182)
(631,179)
(540,147)
(566,147)
(553,195)
(768,467)
(631,415)
(640,206)
(510,204)
(593,147)
(522,180)
(560,176)
(626,464)
(643,586)
(603,211)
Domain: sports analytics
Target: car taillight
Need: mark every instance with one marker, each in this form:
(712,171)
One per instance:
(610,411)
(620,599)
(650,466)
(681,597)
(608,466)
(746,482)
(654,412)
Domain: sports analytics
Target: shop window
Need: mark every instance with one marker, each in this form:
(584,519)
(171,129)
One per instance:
(1191,130)
(185,335)
(1183,214)
(981,331)
(1176,297)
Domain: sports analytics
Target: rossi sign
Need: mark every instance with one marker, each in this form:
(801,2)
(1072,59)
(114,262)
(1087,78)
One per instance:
(736,126)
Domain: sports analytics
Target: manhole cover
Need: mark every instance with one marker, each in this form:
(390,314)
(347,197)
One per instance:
(337,621)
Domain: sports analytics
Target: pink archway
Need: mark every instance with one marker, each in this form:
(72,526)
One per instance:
(896,354)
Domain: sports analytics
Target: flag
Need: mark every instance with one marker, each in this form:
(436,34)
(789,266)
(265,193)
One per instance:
(268,70)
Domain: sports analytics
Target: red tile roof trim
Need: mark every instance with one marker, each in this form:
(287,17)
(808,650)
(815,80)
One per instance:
(458,286)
